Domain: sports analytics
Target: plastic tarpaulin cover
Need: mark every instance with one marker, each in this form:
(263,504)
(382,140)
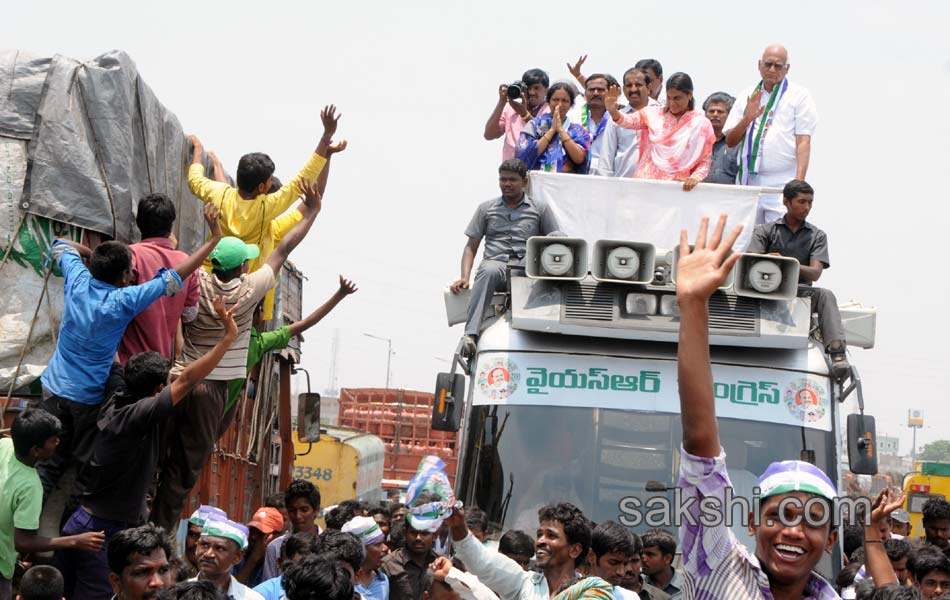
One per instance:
(80,144)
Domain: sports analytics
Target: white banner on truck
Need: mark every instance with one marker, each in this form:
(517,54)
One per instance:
(641,210)
(754,394)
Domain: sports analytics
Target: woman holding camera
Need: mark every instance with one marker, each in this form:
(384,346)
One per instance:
(552,142)
(679,140)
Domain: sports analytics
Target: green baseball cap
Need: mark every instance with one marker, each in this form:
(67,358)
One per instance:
(231,252)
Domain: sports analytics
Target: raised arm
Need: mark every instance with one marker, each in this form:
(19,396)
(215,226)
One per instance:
(83,251)
(218,168)
(191,264)
(752,112)
(296,235)
(195,372)
(346,288)
(495,570)
(203,188)
(876,561)
(631,120)
(698,274)
(575,70)
(494,128)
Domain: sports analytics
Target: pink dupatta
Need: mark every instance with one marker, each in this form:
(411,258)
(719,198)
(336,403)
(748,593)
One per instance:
(678,145)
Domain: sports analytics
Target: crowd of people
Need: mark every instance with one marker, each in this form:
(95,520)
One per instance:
(157,346)
(155,350)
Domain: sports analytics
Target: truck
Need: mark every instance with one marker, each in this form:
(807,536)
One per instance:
(930,479)
(571,394)
(80,143)
(344,463)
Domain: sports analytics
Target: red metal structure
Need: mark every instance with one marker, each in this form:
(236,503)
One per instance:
(402,418)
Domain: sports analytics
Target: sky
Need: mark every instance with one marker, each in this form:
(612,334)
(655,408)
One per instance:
(416,81)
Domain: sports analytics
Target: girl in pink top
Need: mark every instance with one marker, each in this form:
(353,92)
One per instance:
(678,140)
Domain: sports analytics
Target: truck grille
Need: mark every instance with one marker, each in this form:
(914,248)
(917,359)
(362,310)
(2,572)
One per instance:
(732,313)
(599,302)
(589,301)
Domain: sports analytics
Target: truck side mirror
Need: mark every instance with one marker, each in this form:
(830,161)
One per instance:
(862,445)
(448,401)
(308,417)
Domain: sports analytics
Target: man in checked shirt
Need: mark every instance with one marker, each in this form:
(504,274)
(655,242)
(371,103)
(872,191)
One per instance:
(716,566)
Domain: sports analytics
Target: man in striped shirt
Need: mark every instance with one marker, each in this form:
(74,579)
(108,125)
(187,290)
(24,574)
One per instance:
(716,565)
(202,417)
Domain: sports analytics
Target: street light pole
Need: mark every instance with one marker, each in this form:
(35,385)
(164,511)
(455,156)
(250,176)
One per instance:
(389,353)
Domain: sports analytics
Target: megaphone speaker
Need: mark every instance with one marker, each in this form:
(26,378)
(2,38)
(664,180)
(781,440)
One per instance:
(619,261)
(769,277)
(676,258)
(550,257)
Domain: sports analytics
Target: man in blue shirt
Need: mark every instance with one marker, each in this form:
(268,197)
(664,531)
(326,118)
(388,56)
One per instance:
(371,582)
(98,304)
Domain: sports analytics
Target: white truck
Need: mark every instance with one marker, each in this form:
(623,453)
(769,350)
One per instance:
(572,392)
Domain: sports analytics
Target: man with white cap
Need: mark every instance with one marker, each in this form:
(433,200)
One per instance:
(372,583)
(195,522)
(220,548)
(408,568)
(795,525)
(900,524)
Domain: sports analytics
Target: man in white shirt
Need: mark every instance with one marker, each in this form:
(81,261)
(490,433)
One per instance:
(592,116)
(562,544)
(773,121)
(621,147)
(220,549)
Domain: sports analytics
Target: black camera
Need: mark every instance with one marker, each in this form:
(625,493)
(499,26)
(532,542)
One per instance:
(516,90)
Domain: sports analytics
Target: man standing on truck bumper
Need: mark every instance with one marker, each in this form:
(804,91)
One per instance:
(506,223)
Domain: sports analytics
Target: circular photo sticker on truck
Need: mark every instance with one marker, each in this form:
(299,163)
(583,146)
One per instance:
(498,378)
(806,400)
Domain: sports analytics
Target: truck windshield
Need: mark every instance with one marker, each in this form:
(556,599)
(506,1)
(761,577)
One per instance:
(519,458)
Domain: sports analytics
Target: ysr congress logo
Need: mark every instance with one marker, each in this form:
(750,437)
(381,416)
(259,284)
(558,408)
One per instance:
(498,378)
(806,400)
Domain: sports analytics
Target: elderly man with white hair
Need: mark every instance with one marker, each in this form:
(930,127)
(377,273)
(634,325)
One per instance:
(773,121)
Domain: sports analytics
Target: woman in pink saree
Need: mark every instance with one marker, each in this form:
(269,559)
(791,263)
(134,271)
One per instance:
(677,140)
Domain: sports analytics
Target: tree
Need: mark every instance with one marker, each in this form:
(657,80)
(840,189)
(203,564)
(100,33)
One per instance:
(936,451)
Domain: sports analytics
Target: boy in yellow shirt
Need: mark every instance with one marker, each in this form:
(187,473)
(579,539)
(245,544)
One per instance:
(248,210)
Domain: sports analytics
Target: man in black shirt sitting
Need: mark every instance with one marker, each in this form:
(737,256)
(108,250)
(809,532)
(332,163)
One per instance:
(794,237)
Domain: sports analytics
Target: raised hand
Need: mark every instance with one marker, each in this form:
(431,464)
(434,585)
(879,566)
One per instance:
(196,142)
(311,195)
(613,94)
(702,270)
(212,213)
(752,108)
(224,315)
(335,148)
(575,69)
(502,93)
(440,568)
(347,287)
(330,119)
(886,502)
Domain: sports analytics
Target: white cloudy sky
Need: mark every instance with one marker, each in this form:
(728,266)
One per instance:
(416,81)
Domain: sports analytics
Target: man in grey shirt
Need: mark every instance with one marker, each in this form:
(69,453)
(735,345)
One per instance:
(794,237)
(506,223)
(725,165)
